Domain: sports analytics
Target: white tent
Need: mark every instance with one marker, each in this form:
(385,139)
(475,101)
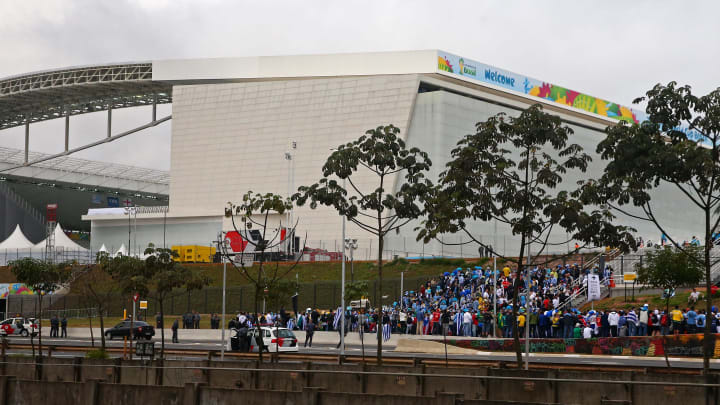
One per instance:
(122,251)
(103,249)
(16,240)
(61,241)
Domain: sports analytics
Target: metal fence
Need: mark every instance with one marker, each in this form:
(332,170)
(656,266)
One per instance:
(324,295)
(82,256)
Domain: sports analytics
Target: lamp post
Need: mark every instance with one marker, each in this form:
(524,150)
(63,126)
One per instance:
(130,211)
(351,244)
(225,244)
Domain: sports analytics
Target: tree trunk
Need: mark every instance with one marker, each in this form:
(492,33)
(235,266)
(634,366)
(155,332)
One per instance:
(162,329)
(40,325)
(378,324)
(667,316)
(707,335)
(132,326)
(92,335)
(102,329)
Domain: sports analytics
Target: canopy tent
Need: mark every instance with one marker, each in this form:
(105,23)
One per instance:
(122,251)
(16,240)
(61,241)
(103,249)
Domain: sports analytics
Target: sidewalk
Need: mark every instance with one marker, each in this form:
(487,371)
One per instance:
(214,335)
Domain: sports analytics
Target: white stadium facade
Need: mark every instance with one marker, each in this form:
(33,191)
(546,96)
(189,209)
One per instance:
(235,122)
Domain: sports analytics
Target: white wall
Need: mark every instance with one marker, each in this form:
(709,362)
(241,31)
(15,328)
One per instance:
(231,138)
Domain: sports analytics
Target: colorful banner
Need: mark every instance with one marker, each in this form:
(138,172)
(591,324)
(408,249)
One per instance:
(14,289)
(471,69)
(677,345)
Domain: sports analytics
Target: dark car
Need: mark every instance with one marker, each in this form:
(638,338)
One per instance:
(140,330)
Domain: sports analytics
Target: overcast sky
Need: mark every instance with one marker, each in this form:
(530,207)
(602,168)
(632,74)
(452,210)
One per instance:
(612,49)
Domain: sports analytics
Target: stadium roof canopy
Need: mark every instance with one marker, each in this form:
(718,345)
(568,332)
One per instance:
(84,172)
(41,96)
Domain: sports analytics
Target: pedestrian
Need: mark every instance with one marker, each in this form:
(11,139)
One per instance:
(309,331)
(54,323)
(175,331)
(63,324)
(643,321)
(158,321)
(196,320)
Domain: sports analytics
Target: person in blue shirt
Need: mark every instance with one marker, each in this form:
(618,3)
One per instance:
(691,320)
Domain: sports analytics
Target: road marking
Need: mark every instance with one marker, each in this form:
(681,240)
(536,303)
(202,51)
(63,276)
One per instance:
(571,355)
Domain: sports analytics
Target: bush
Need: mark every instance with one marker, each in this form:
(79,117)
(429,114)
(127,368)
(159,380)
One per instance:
(97,354)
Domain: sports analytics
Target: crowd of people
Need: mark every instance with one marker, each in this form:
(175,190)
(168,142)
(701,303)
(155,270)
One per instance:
(475,302)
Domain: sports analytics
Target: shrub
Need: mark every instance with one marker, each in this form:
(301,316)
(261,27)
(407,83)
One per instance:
(97,354)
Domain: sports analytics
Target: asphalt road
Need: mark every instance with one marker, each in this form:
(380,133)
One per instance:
(325,348)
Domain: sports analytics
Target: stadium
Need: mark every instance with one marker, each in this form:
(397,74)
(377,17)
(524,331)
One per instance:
(267,124)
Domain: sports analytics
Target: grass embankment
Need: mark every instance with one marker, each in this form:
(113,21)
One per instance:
(308,272)
(654,302)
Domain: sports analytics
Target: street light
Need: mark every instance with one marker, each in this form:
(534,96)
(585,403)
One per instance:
(225,243)
(351,244)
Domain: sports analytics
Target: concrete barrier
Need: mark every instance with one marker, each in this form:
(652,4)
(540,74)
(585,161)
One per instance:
(280,381)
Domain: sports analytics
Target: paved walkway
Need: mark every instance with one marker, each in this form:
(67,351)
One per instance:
(209,335)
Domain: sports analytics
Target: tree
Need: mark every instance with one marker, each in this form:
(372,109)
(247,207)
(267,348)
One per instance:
(484,182)
(669,269)
(379,211)
(253,214)
(97,288)
(42,277)
(356,290)
(156,276)
(658,153)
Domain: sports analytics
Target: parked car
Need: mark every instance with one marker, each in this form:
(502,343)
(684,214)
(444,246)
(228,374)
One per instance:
(273,338)
(19,326)
(140,330)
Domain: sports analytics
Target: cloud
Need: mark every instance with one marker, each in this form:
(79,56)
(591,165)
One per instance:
(615,50)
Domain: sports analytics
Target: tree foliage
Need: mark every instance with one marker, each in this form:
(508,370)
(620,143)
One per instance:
(42,277)
(381,154)
(668,268)
(156,276)
(484,181)
(356,290)
(678,146)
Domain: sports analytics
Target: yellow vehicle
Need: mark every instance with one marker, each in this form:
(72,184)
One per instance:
(194,253)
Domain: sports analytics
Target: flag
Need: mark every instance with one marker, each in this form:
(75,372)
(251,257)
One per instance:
(458,323)
(386,332)
(338,315)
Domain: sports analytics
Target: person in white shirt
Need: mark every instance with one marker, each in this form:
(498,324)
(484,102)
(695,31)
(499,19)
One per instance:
(613,319)
(467,323)
(587,332)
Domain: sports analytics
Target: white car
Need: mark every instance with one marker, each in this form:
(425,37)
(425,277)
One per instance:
(19,326)
(273,339)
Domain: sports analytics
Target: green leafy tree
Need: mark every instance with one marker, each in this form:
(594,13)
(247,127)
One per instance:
(254,213)
(42,277)
(656,154)
(356,290)
(484,182)
(156,276)
(669,269)
(97,289)
(380,210)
